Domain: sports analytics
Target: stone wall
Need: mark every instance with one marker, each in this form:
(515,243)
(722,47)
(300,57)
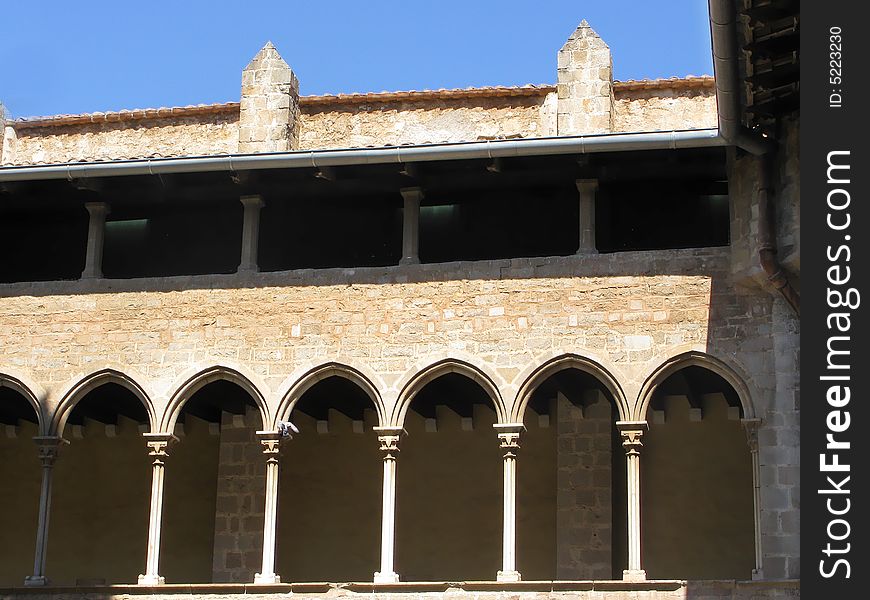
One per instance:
(425,122)
(185,136)
(240,502)
(583,487)
(505,317)
(664,110)
(351,125)
(779,434)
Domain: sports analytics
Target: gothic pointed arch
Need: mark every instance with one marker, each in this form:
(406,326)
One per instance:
(91,382)
(443,367)
(561,363)
(196,382)
(297,389)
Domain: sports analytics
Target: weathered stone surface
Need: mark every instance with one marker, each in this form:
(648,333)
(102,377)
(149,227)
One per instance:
(269,111)
(583,487)
(239,511)
(664,110)
(425,122)
(187,136)
(585,84)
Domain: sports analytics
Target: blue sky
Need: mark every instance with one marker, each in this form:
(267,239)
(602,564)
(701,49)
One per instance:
(98,56)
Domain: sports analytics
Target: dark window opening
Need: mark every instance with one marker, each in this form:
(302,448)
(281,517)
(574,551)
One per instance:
(179,240)
(43,245)
(499,224)
(661,215)
(324,233)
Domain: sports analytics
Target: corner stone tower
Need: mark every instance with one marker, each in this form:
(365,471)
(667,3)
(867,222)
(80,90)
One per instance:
(269,114)
(585,84)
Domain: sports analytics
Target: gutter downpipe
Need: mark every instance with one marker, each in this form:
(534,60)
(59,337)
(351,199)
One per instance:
(724,42)
(776,274)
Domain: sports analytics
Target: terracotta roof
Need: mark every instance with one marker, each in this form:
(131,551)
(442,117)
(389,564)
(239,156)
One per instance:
(690,82)
(137,114)
(440,94)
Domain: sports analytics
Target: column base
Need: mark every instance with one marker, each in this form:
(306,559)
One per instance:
(268,579)
(634,575)
(409,261)
(386,577)
(509,576)
(35,581)
(150,580)
(757,574)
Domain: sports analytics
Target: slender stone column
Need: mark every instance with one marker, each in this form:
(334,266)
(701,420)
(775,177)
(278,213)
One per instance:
(158,444)
(750,426)
(509,438)
(389,440)
(411,225)
(96,233)
(632,432)
(48,447)
(271,441)
(250,233)
(587,188)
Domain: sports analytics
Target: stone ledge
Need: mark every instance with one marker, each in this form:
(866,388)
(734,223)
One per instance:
(666,586)
(681,261)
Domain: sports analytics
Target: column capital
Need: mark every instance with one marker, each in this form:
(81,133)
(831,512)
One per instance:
(509,435)
(48,447)
(158,443)
(412,193)
(271,442)
(750,428)
(98,209)
(389,439)
(586,185)
(632,434)
(252,201)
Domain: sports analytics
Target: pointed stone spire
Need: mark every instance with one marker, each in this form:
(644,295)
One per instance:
(269,113)
(2,130)
(585,84)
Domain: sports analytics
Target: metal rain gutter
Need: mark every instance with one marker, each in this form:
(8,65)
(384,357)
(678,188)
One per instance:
(723,32)
(618,142)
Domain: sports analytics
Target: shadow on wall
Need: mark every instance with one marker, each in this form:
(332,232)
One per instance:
(19,492)
(101,491)
(329,501)
(214,502)
(448,521)
(696,467)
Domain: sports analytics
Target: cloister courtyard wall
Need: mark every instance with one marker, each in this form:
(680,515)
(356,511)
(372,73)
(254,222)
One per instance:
(566,380)
(390,326)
